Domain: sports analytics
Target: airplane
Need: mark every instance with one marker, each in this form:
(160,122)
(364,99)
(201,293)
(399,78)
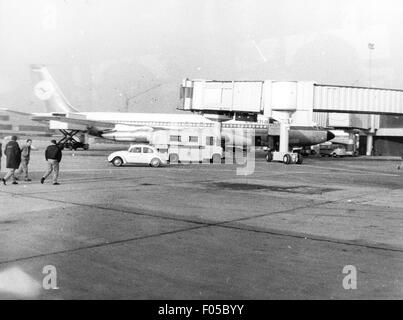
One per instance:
(141,127)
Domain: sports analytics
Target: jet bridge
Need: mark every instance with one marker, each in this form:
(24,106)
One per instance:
(286,101)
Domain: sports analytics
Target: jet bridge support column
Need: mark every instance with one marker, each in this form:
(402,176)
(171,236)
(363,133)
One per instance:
(284,131)
(370,136)
(218,129)
(370,141)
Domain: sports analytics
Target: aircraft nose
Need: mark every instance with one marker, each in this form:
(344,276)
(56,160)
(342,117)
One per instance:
(330,135)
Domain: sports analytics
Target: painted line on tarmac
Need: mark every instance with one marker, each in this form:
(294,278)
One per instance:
(202,168)
(352,171)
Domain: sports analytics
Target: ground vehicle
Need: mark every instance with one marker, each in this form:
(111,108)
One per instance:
(189,145)
(336,150)
(285,157)
(138,154)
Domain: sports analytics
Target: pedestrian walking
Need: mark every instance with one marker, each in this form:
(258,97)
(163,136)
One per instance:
(53,156)
(13,155)
(25,156)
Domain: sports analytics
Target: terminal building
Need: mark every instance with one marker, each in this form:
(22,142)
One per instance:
(13,123)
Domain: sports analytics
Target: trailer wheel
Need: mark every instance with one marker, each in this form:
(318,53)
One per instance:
(173,158)
(287,159)
(300,159)
(117,161)
(269,157)
(216,158)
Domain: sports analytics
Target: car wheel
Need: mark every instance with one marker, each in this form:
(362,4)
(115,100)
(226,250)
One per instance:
(216,158)
(117,161)
(173,158)
(155,162)
(287,159)
(269,157)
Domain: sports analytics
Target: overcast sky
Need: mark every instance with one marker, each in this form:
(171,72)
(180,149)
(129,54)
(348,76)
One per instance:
(100,50)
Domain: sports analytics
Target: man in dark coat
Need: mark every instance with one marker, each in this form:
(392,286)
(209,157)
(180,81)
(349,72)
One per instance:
(53,156)
(13,154)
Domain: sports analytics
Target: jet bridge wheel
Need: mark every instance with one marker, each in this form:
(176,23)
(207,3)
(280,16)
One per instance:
(287,159)
(300,159)
(269,157)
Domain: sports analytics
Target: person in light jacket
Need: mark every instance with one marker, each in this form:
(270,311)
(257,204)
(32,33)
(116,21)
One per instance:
(25,156)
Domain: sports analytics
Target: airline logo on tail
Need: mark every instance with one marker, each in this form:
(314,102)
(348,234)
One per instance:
(47,90)
(44,90)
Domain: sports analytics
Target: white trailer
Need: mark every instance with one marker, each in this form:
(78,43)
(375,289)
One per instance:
(189,145)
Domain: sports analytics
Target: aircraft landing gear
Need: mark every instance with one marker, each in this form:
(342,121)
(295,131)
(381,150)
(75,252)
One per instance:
(70,142)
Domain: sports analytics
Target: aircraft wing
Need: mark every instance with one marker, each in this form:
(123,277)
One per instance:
(73,120)
(16,112)
(83,121)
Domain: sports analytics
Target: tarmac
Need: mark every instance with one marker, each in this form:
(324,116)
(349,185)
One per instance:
(199,231)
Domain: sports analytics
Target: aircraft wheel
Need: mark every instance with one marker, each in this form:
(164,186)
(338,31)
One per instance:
(117,162)
(287,159)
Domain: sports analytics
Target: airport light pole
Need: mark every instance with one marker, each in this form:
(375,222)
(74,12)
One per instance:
(371,47)
(370,142)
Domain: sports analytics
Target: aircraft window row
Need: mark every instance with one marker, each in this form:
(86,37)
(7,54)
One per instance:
(195,139)
(178,124)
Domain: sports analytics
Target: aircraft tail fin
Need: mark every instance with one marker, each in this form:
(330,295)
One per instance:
(47,90)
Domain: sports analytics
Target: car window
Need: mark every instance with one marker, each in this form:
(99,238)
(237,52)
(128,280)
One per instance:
(135,150)
(147,150)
